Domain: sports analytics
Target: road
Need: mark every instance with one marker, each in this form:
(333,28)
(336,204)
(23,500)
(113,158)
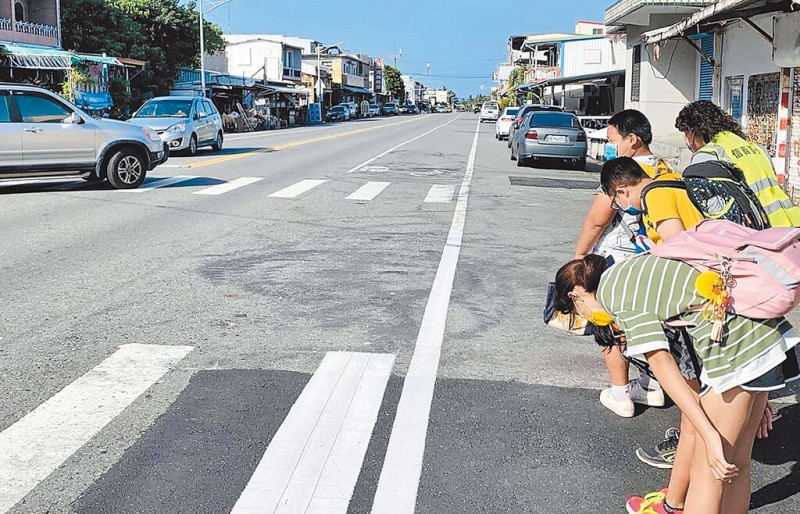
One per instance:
(333,319)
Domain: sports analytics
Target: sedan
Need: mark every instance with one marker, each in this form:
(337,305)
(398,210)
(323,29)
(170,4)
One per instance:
(338,113)
(391,108)
(185,123)
(550,135)
(503,125)
(374,110)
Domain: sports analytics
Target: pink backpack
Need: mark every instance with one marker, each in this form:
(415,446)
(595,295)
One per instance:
(764,265)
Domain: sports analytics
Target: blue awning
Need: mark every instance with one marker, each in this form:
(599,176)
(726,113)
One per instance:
(359,90)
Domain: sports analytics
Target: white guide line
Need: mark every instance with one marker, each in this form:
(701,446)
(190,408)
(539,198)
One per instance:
(399,480)
(440,194)
(297,189)
(155,184)
(368,191)
(37,444)
(313,461)
(228,186)
(392,149)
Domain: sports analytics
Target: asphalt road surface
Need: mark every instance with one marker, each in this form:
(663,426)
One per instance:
(342,318)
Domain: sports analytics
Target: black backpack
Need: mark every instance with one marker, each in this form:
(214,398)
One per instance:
(719,192)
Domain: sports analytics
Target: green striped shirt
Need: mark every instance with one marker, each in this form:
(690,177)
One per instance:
(643,292)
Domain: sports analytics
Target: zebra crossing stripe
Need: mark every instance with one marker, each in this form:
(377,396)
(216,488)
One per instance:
(296,190)
(313,461)
(155,184)
(440,194)
(368,191)
(228,186)
(37,444)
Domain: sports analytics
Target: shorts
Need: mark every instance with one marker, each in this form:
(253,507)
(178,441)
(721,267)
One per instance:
(774,379)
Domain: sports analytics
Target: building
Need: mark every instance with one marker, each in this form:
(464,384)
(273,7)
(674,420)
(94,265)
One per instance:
(258,58)
(590,28)
(345,77)
(31,22)
(414,89)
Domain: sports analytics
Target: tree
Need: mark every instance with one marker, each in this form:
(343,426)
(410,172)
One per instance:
(394,82)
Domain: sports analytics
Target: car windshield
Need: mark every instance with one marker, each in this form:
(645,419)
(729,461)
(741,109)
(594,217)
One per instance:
(337,109)
(512,112)
(165,109)
(490,106)
(554,119)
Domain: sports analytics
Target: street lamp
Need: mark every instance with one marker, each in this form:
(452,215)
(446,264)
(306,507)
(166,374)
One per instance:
(202,42)
(321,49)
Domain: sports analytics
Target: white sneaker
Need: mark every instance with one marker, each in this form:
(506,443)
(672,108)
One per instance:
(622,408)
(645,396)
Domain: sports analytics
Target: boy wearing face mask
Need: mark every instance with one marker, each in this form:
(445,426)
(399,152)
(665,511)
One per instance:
(669,210)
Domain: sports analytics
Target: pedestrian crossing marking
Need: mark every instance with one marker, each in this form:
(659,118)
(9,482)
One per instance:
(313,461)
(228,186)
(155,184)
(297,189)
(40,442)
(440,194)
(368,191)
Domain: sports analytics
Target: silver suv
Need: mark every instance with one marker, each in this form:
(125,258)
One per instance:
(43,135)
(185,123)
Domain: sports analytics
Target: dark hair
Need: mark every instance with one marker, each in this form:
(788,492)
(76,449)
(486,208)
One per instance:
(631,121)
(622,171)
(708,120)
(584,272)
(608,337)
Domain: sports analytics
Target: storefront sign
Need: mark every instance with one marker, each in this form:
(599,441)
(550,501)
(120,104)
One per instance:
(314,114)
(337,71)
(93,101)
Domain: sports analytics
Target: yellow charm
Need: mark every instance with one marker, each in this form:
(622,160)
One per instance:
(709,284)
(600,318)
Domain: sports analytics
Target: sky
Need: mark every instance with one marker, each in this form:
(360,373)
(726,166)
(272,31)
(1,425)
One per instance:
(463,40)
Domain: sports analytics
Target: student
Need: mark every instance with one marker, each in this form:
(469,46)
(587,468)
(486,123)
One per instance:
(712,134)
(640,294)
(607,231)
(669,211)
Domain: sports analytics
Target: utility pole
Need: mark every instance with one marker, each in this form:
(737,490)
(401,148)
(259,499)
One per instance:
(202,42)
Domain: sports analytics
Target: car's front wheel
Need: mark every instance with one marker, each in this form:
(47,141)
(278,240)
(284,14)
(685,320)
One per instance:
(126,169)
(217,144)
(192,150)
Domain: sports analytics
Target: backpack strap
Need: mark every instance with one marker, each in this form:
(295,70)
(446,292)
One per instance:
(659,184)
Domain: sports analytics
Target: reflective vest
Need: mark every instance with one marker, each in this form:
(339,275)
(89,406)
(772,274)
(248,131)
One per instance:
(661,167)
(759,175)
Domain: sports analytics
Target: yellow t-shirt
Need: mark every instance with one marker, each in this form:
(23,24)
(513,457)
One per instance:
(666,203)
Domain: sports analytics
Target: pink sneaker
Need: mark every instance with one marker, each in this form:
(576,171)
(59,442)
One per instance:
(650,503)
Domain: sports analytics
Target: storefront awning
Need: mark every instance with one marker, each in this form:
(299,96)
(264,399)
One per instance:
(287,90)
(590,77)
(678,29)
(32,57)
(359,90)
(97,59)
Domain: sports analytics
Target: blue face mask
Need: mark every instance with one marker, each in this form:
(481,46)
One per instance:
(611,151)
(633,211)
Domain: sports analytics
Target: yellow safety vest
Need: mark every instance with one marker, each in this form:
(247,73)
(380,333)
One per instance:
(661,167)
(759,175)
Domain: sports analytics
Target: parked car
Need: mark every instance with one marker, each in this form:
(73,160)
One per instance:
(352,107)
(476,109)
(503,125)
(523,111)
(43,135)
(440,108)
(374,110)
(338,113)
(552,135)
(413,109)
(391,108)
(490,111)
(184,123)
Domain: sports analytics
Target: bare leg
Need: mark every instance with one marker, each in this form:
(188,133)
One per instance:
(731,413)
(679,478)
(736,500)
(616,365)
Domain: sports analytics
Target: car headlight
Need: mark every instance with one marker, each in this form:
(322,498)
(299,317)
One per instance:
(151,134)
(178,127)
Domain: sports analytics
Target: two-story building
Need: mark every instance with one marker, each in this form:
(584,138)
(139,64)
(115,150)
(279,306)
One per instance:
(345,77)
(258,58)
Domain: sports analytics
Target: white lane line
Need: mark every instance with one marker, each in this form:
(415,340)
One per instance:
(37,444)
(155,184)
(392,149)
(399,480)
(228,186)
(440,194)
(314,459)
(368,191)
(296,190)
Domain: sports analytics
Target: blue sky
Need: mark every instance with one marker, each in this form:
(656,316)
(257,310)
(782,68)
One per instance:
(463,40)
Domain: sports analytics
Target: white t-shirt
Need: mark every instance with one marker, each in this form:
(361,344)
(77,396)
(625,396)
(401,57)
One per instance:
(615,240)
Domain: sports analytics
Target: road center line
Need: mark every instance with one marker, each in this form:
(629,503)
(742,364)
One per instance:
(392,149)
(37,444)
(402,468)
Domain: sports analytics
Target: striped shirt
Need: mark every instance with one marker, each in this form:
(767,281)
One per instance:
(643,292)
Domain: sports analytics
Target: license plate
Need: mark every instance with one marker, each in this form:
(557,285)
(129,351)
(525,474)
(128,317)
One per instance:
(556,139)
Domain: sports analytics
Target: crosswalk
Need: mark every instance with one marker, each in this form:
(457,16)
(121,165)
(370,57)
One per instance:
(312,462)
(366,192)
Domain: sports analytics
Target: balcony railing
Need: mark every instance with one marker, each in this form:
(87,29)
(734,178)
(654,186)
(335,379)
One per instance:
(5,24)
(291,72)
(35,29)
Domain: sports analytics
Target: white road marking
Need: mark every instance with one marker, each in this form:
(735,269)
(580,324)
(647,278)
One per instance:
(296,190)
(313,461)
(392,149)
(37,444)
(399,480)
(440,194)
(155,184)
(228,186)
(368,191)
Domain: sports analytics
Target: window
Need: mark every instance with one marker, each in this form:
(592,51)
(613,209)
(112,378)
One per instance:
(4,116)
(19,11)
(554,119)
(706,86)
(200,109)
(636,72)
(210,108)
(597,31)
(734,96)
(40,109)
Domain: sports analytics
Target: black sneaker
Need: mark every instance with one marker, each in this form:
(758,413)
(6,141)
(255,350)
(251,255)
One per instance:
(663,454)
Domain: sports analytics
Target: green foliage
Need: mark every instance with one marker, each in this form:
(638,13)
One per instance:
(394,82)
(162,33)
(118,87)
(506,102)
(74,78)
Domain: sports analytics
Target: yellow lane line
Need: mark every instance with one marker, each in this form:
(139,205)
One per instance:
(284,146)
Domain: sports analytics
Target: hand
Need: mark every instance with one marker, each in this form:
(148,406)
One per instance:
(766,421)
(720,467)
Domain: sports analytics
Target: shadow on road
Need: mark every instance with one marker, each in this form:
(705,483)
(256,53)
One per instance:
(781,447)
